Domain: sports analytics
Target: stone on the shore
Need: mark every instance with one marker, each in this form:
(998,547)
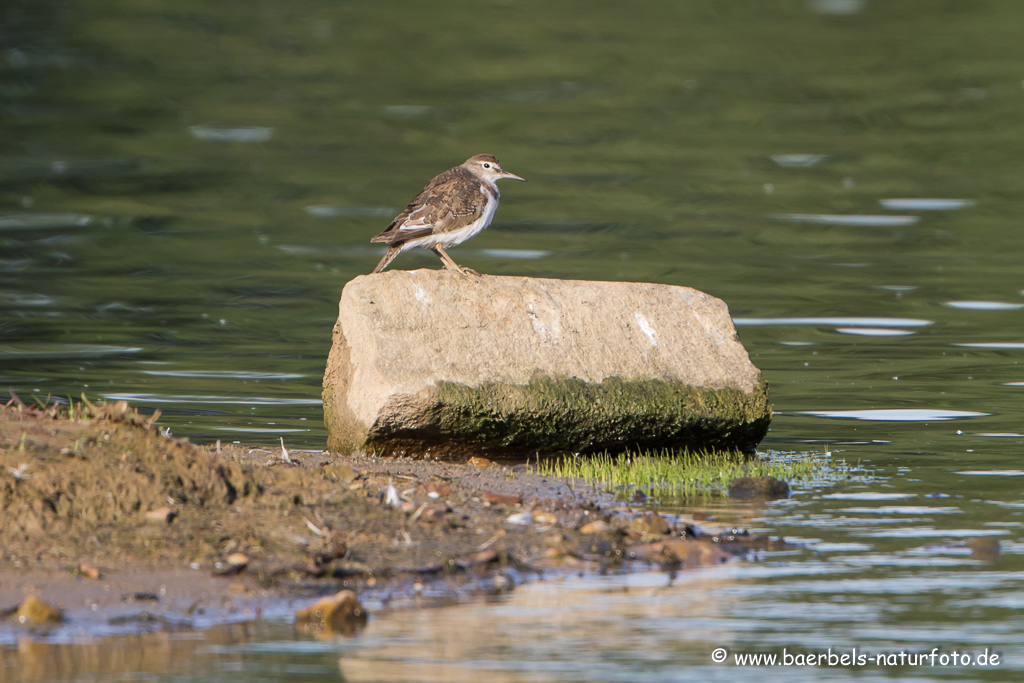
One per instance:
(341,473)
(763,487)
(34,612)
(339,613)
(89,571)
(237,559)
(430,363)
(687,552)
(652,524)
(598,526)
(162,515)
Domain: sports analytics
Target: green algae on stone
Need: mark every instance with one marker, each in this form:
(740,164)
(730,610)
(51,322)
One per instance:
(343,435)
(549,415)
(343,432)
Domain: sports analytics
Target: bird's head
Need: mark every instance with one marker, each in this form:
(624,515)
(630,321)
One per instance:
(487,167)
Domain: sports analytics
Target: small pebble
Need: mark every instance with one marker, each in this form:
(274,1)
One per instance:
(341,473)
(237,559)
(34,612)
(651,523)
(338,613)
(433,514)
(164,515)
(544,518)
(88,571)
(520,518)
(764,487)
(596,527)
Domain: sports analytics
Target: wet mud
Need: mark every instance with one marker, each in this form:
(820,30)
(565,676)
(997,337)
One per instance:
(107,518)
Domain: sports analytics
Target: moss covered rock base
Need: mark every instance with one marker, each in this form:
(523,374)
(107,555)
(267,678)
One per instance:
(433,364)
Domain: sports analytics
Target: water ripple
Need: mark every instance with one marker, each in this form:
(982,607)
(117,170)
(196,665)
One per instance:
(798,160)
(904,510)
(924,204)
(40,221)
(15,299)
(895,414)
(351,211)
(239,400)
(239,134)
(217,374)
(525,254)
(983,305)
(258,430)
(33,351)
(930,532)
(874,331)
(867,495)
(992,345)
(851,321)
(864,221)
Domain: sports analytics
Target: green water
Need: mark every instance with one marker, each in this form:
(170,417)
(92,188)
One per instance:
(186,187)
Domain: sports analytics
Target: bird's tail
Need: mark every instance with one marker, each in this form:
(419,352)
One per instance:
(389,256)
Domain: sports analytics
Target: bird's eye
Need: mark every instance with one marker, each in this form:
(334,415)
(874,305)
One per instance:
(486,165)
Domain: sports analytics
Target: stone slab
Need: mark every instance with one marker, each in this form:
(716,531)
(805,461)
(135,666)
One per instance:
(430,363)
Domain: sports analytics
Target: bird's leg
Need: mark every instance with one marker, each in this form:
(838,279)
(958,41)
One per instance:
(447,260)
(449,263)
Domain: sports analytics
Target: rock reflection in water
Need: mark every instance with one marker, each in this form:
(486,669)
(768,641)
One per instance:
(120,657)
(548,631)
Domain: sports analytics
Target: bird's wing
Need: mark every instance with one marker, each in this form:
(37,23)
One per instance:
(443,205)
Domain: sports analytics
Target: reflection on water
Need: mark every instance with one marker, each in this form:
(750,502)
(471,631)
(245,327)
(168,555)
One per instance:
(226,374)
(850,322)
(874,331)
(246,134)
(639,627)
(43,350)
(866,221)
(798,160)
(524,254)
(185,190)
(923,204)
(896,414)
(994,473)
(143,656)
(837,7)
(358,211)
(44,221)
(166,398)
(993,345)
(984,305)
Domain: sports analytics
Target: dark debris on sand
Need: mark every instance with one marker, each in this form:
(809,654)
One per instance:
(98,491)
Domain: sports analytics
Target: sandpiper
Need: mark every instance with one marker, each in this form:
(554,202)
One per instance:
(453,207)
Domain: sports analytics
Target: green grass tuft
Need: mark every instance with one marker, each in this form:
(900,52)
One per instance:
(670,475)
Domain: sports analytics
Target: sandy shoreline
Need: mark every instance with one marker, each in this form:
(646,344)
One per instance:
(183,536)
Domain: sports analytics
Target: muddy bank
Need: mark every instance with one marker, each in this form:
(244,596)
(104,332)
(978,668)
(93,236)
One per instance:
(103,512)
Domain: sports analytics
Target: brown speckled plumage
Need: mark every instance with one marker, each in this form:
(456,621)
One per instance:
(452,207)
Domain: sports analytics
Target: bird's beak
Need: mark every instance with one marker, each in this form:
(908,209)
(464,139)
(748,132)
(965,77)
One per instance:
(513,176)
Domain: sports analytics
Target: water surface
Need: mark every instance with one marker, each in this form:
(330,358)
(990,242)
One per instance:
(184,191)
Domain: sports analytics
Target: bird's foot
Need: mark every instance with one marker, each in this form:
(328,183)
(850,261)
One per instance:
(462,270)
